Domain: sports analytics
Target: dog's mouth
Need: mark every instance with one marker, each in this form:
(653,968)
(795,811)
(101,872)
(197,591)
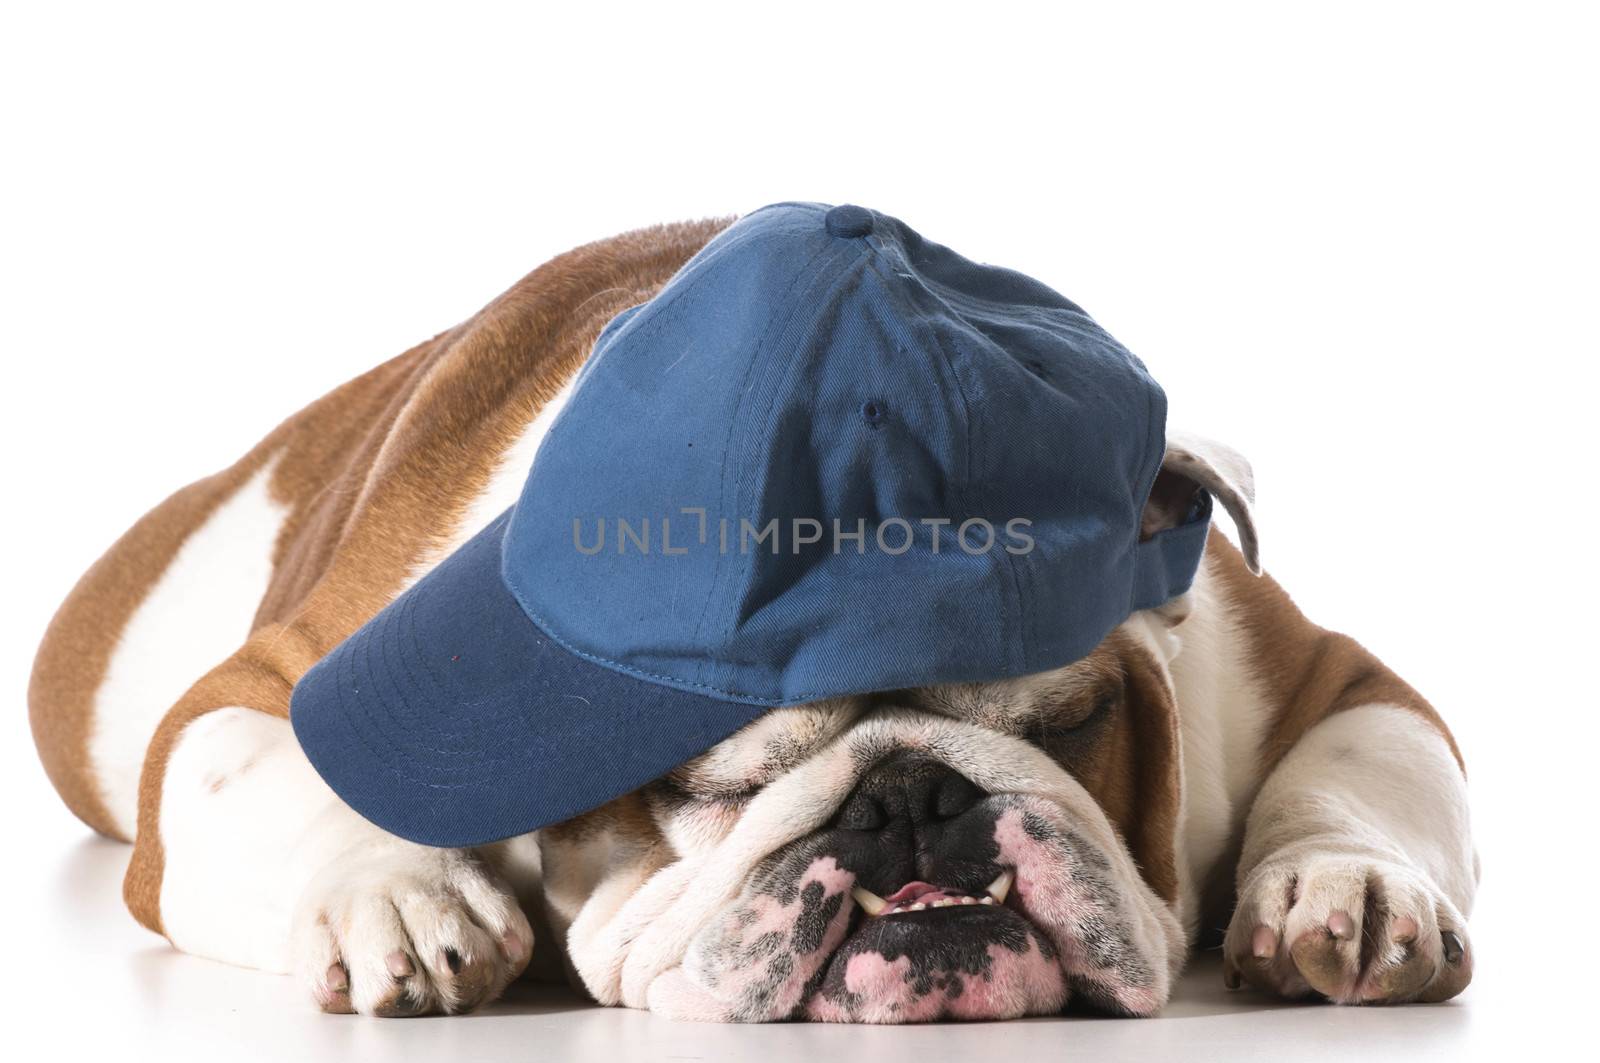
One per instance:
(927,951)
(920,896)
(1014,913)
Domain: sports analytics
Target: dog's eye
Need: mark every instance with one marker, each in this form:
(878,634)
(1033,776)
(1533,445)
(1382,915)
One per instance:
(721,792)
(730,797)
(674,792)
(1052,728)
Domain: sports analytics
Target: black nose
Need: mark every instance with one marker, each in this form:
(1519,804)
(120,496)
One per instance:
(907,790)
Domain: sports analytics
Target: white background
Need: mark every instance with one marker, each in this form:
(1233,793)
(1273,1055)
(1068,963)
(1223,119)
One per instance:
(1359,244)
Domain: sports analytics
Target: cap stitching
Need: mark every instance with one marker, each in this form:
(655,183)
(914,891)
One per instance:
(640,673)
(386,757)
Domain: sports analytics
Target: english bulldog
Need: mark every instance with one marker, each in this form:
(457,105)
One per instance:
(974,851)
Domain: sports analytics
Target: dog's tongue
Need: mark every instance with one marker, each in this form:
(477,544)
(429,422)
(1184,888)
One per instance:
(919,891)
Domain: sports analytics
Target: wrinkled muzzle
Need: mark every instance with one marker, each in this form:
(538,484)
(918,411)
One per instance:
(918,868)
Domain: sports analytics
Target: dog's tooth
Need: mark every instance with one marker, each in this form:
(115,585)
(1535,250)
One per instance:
(987,900)
(1000,887)
(869,901)
(943,902)
(918,906)
(969,900)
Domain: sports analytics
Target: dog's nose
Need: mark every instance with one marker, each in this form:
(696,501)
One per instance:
(907,789)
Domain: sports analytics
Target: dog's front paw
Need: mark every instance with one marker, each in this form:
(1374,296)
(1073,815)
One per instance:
(1353,929)
(397,929)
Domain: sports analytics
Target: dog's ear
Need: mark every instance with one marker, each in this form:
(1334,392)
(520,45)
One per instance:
(1137,776)
(1193,464)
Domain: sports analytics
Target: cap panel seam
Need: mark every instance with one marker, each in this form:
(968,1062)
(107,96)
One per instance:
(1016,622)
(665,301)
(741,504)
(719,577)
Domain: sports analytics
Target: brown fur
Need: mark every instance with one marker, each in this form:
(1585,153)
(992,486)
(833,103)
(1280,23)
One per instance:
(1307,672)
(375,475)
(1136,778)
(79,642)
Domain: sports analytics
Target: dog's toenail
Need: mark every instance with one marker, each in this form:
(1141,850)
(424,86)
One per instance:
(1230,976)
(452,960)
(1453,949)
(1341,926)
(399,964)
(1263,943)
(337,980)
(511,945)
(1405,929)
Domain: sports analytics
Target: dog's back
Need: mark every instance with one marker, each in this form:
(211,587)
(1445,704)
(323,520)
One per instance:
(243,580)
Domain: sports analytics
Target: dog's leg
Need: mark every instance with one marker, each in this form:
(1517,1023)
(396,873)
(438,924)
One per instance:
(263,866)
(1358,871)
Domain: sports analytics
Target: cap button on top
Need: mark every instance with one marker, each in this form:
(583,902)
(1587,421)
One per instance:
(848,221)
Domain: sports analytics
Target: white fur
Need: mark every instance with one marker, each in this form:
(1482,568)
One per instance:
(267,868)
(385,897)
(1222,717)
(1364,820)
(198,612)
(1377,780)
(245,822)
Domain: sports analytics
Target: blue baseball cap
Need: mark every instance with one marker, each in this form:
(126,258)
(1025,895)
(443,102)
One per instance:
(829,458)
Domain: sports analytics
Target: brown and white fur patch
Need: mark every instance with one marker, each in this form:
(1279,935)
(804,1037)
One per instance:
(973,851)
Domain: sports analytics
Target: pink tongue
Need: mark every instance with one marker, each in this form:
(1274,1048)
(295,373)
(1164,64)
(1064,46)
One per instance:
(920,891)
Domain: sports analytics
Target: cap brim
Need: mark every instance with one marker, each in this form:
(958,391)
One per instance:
(451,719)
